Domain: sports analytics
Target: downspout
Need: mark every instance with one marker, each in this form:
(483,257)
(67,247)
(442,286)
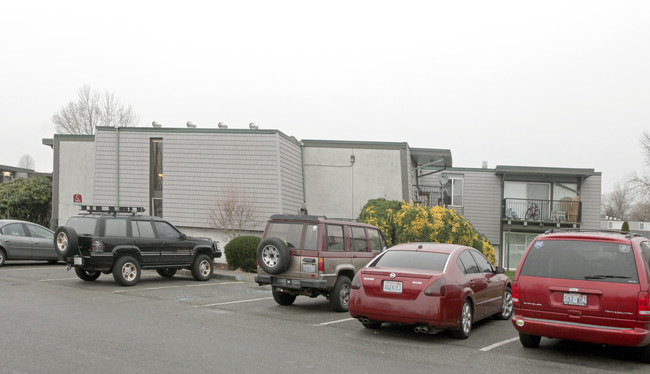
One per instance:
(303,210)
(117,165)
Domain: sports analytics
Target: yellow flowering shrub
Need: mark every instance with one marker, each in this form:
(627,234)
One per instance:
(404,223)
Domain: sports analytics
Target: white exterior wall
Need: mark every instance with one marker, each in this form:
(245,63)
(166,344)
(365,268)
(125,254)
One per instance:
(338,189)
(75,175)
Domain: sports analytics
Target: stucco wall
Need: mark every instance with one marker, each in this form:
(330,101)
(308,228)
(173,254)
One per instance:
(75,175)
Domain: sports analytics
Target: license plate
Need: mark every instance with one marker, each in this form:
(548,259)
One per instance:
(308,268)
(78,260)
(392,286)
(579,299)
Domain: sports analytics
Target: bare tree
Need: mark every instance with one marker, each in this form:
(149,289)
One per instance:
(26,162)
(618,203)
(93,109)
(234,211)
(641,180)
(640,211)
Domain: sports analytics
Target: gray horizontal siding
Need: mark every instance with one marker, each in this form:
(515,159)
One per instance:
(590,195)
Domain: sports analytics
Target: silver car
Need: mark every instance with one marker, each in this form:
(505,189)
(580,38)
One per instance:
(20,240)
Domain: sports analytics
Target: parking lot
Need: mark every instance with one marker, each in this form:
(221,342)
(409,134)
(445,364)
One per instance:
(54,322)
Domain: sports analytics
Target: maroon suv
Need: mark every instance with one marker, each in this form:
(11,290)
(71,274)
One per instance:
(585,286)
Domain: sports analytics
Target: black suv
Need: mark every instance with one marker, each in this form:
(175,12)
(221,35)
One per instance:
(118,240)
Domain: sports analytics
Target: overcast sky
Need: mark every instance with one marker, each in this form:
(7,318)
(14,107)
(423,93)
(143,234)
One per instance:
(528,83)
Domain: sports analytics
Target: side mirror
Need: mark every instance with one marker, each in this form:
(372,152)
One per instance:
(183,236)
(500,270)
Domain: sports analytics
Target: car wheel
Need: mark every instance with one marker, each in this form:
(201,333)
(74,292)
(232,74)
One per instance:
(340,295)
(166,273)
(371,324)
(202,268)
(283,298)
(126,271)
(644,354)
(86,275)
(3,257)
(52,261)
(507,308)
(466,316)
(529,341)
(273,255)
(65,241)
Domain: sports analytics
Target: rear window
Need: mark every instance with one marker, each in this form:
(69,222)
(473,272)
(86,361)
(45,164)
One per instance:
(412,260)
(83,225)
(581,260)
(290,233)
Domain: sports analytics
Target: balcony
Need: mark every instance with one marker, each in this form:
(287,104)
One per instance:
(428,196)
(566,210)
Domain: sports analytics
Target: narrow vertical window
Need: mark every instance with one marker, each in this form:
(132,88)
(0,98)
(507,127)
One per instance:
(156,178)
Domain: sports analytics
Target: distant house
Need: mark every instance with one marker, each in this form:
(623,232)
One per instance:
(179,173)
(12,172)
(639,227)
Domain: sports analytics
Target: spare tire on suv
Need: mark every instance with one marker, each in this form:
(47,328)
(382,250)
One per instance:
(65,241)
(273,255)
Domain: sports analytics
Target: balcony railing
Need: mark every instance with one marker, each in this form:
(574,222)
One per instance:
(542,210)
(428,196)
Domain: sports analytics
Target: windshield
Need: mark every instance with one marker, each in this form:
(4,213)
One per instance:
(412,260)
(83,225)
(581,260)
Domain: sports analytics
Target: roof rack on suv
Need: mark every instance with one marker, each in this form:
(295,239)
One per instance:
(112,209)
(626,233)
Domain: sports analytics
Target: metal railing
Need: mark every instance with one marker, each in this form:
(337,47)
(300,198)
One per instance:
(428,196)
(542,210)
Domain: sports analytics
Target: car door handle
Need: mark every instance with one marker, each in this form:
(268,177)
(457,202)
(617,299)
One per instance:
(309,260)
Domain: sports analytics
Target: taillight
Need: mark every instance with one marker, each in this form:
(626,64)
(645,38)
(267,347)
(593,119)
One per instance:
(515,292)
(321,264)
(356,283)
(644,304)
(98,246)
(437,288)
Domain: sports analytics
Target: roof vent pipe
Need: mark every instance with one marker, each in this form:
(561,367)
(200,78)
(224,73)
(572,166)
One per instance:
(191,125)
(156,124)
(222,125)
(484,165)
(253,126)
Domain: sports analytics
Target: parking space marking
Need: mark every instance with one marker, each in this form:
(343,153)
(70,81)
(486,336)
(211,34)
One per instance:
(332,322)
(168,287)
(56,279)
(233,302)
(495,345)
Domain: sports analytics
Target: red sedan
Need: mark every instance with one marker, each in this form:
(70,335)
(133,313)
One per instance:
(431,285)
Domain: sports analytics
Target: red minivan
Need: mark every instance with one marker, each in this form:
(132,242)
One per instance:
(585,286)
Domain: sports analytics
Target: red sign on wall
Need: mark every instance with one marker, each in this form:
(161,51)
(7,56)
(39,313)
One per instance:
(76,198)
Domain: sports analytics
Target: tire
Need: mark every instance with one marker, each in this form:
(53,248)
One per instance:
(273,255)
(202,268)
(3,257)
(374,325)
(52,261)
(166,273)
(65,241)
(465,325)
(340,294)
(529,341)
(283,298)
(126,271)
(86,275)
(507,308)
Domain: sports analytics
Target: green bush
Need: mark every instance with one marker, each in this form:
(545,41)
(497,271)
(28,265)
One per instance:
(625,227)
(241,252)
(381,213)
(405,223)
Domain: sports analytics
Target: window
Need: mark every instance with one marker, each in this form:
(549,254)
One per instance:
(311,237)
(156,177)
(289,232)
(83,225)
(482,262)
(467,263)
(115,227)
(14,229)
(335,238)
(359,242)
(452,192)
(644,226)
(581,260)
(413,260)
(645,247)
(142,229)
(165,230)
(377,243)
(40,232)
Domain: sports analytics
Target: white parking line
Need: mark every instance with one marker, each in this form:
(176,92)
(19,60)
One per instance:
(495,345)
(233,302)
(337,321)
(179,286)
(57,279)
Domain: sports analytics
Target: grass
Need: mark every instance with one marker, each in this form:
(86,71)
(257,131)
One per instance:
(510,274)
